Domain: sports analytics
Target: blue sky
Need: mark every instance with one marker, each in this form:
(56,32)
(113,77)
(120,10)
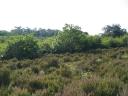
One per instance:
(91,15)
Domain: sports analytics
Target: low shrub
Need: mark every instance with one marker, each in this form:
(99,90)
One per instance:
(36,84)
(51,63)
(102,87)
(35,70)
(4,77)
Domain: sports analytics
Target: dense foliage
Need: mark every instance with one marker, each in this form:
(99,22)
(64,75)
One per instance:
(24,48)
(114,30)
(70,39)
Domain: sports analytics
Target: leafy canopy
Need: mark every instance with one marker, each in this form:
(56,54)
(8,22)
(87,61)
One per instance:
(114,30)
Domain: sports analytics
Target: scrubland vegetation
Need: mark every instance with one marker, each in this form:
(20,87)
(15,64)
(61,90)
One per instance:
(64,63)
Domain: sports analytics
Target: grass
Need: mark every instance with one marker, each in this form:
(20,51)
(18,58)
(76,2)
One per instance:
(101,72)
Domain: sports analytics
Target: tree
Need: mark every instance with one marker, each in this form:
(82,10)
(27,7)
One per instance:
(4,33)
(22,49)
(22,31)
(45,33)
(69,39)
(114,30)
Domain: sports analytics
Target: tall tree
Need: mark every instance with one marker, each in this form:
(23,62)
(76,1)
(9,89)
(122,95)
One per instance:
(69,39)
(114,30)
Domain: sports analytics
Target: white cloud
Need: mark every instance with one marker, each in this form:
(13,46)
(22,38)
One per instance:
(91,15)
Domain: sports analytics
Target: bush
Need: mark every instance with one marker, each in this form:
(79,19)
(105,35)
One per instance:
(94,42)
(116,42)
(4,77)
(22,49)
(67,59)
(69,39)
(52,62)
(55,84)
(34,85)
(125,40)
(65,71)
(108,42)
(102,87)
(46,48)
(35,70)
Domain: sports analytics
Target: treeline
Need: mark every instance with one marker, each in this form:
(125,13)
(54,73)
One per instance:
(70,39)
(27,31)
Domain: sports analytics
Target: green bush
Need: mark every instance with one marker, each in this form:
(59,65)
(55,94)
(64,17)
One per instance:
(125,40)
(22,49)
(46,48)
(69,39)
(94,42)
(108,42)
(116,42)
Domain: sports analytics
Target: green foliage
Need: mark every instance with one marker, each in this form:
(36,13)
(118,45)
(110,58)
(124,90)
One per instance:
(94,42)
(4,33)
(125,40)
(69,39)
(114,30)
(24,48)
(108,42)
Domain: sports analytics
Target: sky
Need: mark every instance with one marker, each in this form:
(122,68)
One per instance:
(90,15)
